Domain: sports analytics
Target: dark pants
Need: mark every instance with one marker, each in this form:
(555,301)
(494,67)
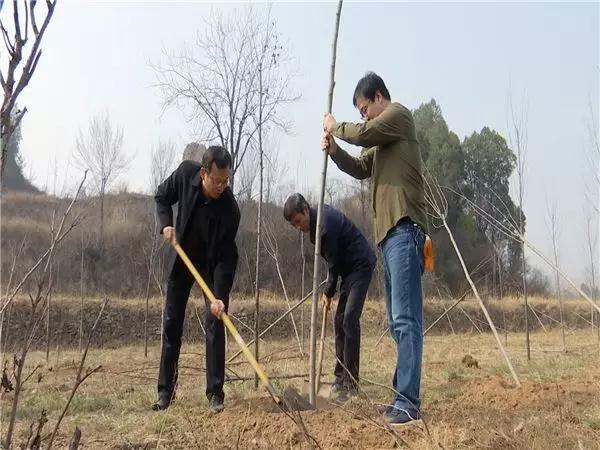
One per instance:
(353,292)
(178,291)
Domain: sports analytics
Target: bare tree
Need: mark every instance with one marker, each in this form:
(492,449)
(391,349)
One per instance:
(594,156)
(162,163)
(591,239)
(215,82)
(246,178)
(44,287)
(594,136)
(553,225)
(517,132)
(101,151)
(12,82)
(272,248)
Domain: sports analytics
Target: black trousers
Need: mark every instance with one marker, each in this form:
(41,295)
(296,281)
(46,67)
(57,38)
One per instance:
(178,291)
(353,292)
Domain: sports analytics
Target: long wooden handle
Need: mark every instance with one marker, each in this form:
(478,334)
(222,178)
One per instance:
(321,346)
(227,322)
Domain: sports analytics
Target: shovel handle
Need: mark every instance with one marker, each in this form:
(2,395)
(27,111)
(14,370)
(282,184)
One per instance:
(228,324)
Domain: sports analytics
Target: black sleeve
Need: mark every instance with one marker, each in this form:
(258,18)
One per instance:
(332,254)
(227,258)
(167,194)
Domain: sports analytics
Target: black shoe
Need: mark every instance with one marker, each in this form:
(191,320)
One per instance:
(163,402)
(344,394)
(336,388)
(215,404)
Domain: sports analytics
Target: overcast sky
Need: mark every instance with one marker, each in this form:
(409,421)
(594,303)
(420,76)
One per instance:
(467,56)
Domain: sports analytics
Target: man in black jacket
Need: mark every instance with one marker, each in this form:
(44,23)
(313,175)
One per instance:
(349,256)
(207,222)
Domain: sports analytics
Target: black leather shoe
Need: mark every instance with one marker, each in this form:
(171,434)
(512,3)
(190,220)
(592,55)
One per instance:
(162,403)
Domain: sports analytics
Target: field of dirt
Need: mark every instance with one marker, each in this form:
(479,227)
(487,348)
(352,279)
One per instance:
(469,397)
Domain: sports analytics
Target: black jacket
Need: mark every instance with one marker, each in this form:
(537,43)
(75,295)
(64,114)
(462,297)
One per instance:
(223,215)
(344,247)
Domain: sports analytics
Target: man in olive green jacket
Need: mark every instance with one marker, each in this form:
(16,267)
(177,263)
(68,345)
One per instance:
(391,156)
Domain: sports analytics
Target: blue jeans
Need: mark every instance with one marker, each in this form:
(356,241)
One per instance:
(402,252)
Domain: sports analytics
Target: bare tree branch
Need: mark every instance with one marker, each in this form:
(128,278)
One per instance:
(58,237)
(9,120)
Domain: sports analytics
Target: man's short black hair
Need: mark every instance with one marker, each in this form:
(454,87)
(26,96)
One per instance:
(367,87)
(295,204)
(218,155)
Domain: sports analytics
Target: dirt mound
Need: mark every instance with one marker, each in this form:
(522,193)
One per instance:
(497,393)
(250,424)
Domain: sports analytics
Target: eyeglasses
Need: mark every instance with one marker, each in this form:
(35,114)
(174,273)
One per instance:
(363,110)
(219,182)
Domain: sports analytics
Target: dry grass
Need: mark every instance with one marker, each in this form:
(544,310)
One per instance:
(465,407)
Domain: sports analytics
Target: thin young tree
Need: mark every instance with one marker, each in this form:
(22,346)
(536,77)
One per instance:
(553,222)
(302,288)
(162,163)
(81,290)
(518,138)
(315,299)
(267,50)
(594,199)
(100,149)
(591,240)
(258,226)
(272,247)
(19,59)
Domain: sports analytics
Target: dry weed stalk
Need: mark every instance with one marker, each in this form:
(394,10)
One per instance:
(79,378)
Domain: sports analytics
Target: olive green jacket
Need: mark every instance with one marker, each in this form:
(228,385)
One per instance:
(391,156)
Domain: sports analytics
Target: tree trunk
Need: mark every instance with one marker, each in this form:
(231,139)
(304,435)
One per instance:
(150,265)
(523,262)
(258,228)
(302,287)
(101,220)
(481,304)
(48,325)
(559,293)
(81,294)
(524,269)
